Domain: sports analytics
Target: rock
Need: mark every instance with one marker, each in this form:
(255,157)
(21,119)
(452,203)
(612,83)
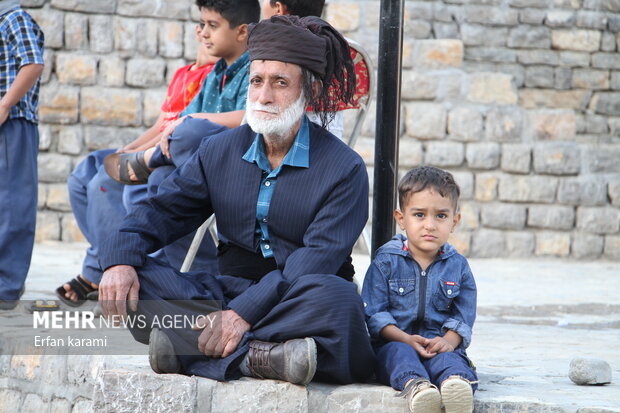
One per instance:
(589,371)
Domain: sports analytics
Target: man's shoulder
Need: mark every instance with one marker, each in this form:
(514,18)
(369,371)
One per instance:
(331,146)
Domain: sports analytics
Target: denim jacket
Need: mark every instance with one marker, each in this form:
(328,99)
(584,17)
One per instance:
(428,303)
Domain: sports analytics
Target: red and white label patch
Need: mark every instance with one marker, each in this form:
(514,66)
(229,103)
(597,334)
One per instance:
(450,283)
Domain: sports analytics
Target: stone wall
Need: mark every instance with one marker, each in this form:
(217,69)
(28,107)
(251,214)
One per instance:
(520,99)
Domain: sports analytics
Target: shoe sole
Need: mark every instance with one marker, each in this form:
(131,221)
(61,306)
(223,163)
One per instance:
(426,401)
(457,396)
(154,338)
(311,348)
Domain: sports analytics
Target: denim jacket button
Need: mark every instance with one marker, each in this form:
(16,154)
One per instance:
(449,292)
(401,290)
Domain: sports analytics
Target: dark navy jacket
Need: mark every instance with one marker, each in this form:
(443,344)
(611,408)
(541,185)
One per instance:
(315,217)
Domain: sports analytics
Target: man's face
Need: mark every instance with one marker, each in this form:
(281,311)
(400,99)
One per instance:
(216,34)
(275,101)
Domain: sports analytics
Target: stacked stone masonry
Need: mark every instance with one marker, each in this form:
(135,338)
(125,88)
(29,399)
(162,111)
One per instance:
(520,99)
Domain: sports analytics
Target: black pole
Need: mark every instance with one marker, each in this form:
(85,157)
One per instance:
(388,121)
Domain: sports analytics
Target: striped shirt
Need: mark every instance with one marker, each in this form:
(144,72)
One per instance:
(21,43)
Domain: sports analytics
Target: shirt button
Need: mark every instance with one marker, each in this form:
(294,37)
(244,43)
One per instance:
(449,292)
(267,183)
(264,219)
(267,246)
(401,290)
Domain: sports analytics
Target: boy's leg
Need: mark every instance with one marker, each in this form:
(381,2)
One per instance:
(397,363)
(19,141)
(453,363)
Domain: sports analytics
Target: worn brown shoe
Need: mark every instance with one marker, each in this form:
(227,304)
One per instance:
(293,361)
(162,357)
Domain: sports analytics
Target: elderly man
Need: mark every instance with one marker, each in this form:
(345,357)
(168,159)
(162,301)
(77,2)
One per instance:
(290,201)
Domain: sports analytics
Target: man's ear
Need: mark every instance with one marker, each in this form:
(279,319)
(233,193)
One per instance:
(317,86)
(242,33)
(281,9)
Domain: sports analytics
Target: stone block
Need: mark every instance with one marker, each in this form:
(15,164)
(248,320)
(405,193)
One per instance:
(591,19)
(598,220)
(563,78)
(488,243)
(532,16)
(529,37)
(552,243)
(612,247)
(596,124)
(465,181)
(604,158)
(105,106)
(614,23)
(101,35)
(49,57)
(608,42)
(486,186)
(425,120)
(76,69)
(491,54)
(146,37)
(33,403)
(479,35)
(58,198)
(125,33)
(488,15)
(437,53)
(353,398)
(9,399)
(465,124)
(176,10)
(76,31)
(503,216)
(45,137)
(259,396)
(461,241)
(519,244)
(528,3)
(41,196)
(584,370)
(48,227)
(171,39)
(190,44)
(553,124)
(52,23)
(58,104)
(539,76)
(450,85)
(153,99)
(504,125)
(32,3)
(538,57)
(410,153)
(60,406)
(70,140)
(614,192)
(561,158)
(527,189)
(516,158)
(483,155)
(419,85)
(492,88)
(574,59)
(417,29)
(54,167)
(560,18)
(98,137)
(150,392)
(606,61)
(613,126)
(82,406)
(603,5)
(554,99)
(470,216)
(551,217)
(587,246)
(588,191)
(92,6)
(146,73)
(112,71)
(445,30)
(344,16)
(576,39)
(444,154)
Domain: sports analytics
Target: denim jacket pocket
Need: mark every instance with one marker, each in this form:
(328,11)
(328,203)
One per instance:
(445,294)
(401,294)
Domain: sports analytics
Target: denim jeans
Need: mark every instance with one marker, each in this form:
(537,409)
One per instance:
(397,363)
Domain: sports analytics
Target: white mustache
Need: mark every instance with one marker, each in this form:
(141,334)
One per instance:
(264,108)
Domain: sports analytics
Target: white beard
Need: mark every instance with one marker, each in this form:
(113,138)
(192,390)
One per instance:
(282,124)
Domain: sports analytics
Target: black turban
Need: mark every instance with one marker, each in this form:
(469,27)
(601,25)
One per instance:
(311,43)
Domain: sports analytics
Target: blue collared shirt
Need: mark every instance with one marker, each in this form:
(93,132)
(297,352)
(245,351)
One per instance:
(297,156)
(21,43)
(224,90)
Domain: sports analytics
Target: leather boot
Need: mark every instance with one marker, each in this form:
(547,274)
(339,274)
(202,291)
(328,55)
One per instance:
(162,357)
(293,361)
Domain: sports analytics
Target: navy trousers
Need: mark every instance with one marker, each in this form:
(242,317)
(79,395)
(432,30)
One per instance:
(19,146)
(324,307)
(397,363)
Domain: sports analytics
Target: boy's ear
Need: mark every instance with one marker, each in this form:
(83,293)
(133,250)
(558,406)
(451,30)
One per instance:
(242,33)
(455,221)
(281,9)
(398,216)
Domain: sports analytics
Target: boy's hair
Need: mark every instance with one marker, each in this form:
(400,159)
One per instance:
(419,179)
(302,8)
(236,12)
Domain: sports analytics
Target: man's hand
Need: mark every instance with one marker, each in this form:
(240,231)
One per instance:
(4,114)
(439,345)
(222,333)
(165,135)
(420,345)
(118,284)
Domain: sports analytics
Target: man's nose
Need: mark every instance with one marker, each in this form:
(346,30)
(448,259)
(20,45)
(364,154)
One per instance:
(265,95)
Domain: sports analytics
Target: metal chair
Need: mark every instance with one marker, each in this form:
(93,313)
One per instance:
(361,102)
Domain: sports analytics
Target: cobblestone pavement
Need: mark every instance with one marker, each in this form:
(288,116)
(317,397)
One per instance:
(534,316)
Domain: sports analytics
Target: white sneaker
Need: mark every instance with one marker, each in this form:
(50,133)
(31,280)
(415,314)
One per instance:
(422,397)
(457,395)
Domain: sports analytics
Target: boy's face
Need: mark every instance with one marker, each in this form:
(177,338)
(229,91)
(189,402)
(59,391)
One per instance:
(428,219)
(217,36)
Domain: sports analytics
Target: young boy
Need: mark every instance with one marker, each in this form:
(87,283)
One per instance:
(21,64)
(420,299)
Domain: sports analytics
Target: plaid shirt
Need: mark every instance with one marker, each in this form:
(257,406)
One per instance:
(21,43)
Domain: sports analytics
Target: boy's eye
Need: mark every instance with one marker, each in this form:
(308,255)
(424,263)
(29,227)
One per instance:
(201,25)
(442,216)
(418,215)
